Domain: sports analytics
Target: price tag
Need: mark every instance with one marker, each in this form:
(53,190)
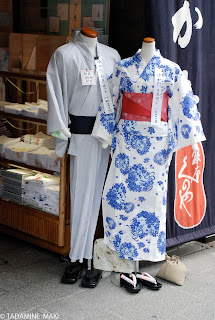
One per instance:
(88,77)
(157,97)
(106,96)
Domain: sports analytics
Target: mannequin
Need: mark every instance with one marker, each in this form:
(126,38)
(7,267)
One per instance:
(90,38)
(147,52)
(148,49)
(71,99)
(134,196)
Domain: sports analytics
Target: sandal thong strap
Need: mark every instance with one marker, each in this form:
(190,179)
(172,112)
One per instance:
(146,276)
(133,283)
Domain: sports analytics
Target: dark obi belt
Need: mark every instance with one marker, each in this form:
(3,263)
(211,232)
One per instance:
(81,124)
(138,106)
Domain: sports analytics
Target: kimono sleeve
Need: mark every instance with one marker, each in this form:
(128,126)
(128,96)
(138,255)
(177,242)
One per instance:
(57,99)
(105,124)
(184,115)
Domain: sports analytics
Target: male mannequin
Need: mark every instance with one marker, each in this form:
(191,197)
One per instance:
(91,43)
(70,97)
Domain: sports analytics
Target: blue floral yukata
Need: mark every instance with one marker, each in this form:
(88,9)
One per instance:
(135,192)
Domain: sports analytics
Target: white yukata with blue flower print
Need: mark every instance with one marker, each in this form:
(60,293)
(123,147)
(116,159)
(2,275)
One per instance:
(135,193)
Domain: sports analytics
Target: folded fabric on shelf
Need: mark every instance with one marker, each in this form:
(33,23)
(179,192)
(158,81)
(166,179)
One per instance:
(37,110)
(52,191)
(42,191)
(44,158)
(6,141)
(14,108)
(18,151)
(42,179)
(41,139)
(29,111)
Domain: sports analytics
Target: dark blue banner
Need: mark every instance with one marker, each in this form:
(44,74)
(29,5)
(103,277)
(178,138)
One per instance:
(185,33)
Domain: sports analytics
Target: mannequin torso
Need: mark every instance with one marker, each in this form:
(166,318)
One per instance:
(147,52)
(148,49)
(91,43)
(90,38)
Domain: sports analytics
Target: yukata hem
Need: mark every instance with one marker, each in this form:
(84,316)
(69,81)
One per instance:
(72,259)
(162,258)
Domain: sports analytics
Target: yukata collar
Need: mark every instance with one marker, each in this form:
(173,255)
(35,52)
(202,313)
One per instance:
(138,58)
(85,51)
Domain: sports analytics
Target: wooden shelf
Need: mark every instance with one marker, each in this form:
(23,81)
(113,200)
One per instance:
(25,222)
(23,165)
(24,75)
(12,116)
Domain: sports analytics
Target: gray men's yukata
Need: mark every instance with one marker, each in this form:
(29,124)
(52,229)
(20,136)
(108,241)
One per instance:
(88,161)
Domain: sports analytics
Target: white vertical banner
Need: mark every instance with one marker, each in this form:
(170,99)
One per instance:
(157,97)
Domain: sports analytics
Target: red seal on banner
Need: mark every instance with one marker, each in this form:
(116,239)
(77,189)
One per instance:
(190,199)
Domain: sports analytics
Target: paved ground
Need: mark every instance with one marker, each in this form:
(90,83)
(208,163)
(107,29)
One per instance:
(30,283)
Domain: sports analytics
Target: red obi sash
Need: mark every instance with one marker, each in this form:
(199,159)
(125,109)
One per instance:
(137,106)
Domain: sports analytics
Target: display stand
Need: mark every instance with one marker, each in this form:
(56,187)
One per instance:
(25,222)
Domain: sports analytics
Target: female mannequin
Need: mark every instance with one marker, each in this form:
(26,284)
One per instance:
(147,52)
(134,197)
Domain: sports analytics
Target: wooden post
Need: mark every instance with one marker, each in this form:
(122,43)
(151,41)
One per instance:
(62,202)
(107,18)
(19,100)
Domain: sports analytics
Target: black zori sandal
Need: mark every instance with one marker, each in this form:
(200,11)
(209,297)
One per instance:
(91,278)
(146,280)
(129,282)
(72,273)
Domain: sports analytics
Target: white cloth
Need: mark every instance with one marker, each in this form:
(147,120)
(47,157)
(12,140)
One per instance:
(37,110)
(42,191)
(134,198)
(14,108)
(18,151)
(6,141)
(41,139)
(88,162)
(42,179)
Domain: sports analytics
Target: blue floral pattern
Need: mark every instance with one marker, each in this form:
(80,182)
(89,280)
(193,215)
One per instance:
(140,179)
(185,131)
(137,180)
(111,223)
(143,89)
(126,84)
(189,106)
(168,73)
(151,130)
(139,142)
(161,244)
(150,68)
(126,249)
(116,196)
(161,157)
(171,142)
(122,163)
(143,224)
(108,121)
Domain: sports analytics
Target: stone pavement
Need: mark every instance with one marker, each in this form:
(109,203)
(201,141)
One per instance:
(30,283)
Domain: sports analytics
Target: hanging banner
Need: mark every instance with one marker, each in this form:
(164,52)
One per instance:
(184,39)
(184,32)
(190,199)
